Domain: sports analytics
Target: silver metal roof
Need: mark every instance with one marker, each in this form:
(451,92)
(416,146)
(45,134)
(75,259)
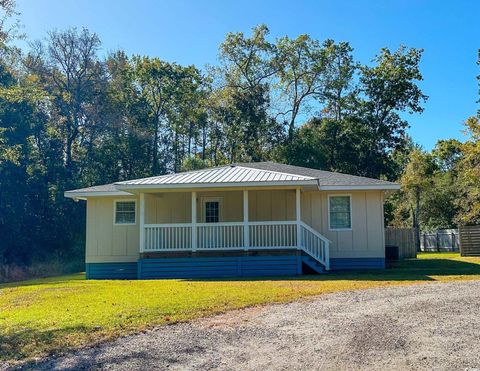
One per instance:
(224,174)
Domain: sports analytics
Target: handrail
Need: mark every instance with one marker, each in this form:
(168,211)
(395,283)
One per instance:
(170,225)
(315,232)
(283,222)
(315,245)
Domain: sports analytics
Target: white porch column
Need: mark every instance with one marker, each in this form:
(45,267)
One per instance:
(298,214)
(194,221)
(246,228)
(142,222)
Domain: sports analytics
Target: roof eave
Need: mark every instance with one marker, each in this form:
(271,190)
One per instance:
(82,194)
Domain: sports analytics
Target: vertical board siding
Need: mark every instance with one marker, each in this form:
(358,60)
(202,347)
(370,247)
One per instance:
(106,242)
(366,239)
(470,240)
(404,239)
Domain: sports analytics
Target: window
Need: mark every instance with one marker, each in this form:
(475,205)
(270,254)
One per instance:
(125,212)
(340,212)
(211,210)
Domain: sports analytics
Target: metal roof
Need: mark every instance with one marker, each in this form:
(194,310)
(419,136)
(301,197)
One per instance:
(325,178)
(244,174)
(224,174)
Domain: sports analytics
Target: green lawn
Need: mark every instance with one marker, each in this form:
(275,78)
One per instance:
(51,315)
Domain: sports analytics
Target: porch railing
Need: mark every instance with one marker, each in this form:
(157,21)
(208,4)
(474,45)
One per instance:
(213,236)
(168,237)
(231,236)
(273,234)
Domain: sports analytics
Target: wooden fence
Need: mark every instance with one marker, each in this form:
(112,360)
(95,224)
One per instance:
(470,241)
(440,240)
(404,238)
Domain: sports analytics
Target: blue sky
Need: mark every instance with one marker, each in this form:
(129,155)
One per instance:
(189,32)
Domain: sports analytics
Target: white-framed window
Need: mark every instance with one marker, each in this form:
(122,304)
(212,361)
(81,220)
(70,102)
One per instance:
(212,209)
(339,212)
(125,212)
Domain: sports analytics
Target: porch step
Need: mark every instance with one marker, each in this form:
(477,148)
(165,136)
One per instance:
(313,264)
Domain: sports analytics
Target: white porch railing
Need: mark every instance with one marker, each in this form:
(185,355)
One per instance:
(273,234)
(315,245)
(168,237)
(231,236)
(213,236)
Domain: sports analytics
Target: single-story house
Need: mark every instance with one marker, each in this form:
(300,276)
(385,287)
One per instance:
(252,219)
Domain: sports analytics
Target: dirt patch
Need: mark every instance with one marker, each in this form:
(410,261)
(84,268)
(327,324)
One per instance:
(429,326)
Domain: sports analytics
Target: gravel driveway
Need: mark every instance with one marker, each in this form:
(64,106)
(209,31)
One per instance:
(412,327)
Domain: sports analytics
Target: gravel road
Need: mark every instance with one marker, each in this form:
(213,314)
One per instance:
(427,326)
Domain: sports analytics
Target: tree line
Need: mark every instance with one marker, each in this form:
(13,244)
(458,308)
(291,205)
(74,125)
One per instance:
(71,117)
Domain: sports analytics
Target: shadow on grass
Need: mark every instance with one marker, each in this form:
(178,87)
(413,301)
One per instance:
(22,343)
(52,280)
(406,270)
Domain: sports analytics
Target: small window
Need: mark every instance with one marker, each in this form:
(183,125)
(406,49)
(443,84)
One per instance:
(212,209)
(124,212)
(340,212)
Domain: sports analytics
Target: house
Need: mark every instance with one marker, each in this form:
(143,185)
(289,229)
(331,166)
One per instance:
(252,219)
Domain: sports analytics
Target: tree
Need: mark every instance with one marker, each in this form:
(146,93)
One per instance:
(415,182)
(170,90)
(69,70)
(302,62)
(469,175)
(242,104)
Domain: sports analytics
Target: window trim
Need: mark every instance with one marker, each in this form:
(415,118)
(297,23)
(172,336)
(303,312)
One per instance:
(328,206)
(115,211)
(220,208)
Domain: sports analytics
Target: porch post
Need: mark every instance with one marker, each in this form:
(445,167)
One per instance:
(194,221)
(142,222)
(298,215)
(246,228)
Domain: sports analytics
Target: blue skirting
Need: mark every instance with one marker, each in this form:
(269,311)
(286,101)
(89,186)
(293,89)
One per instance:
(357,263)
(226,266)
(107,271)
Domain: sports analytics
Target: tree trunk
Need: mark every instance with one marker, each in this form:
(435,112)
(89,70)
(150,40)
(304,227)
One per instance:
(155,149)
(417,218)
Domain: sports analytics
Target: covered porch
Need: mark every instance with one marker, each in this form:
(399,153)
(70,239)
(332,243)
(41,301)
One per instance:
(233,220)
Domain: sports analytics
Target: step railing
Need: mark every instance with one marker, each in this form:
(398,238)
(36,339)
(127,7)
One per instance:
(315,245)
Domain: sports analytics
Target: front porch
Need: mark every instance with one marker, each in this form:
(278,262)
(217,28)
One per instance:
(234,223)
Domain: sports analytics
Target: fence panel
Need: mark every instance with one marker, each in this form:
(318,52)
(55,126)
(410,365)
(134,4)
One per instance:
(441,240)
(470,240)
(404,238)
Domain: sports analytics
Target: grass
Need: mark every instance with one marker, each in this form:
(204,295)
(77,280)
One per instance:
(51,315)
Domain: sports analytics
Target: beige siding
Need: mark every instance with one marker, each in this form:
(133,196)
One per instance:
(365,239)
(276,205)
(164,208)
(106,242)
